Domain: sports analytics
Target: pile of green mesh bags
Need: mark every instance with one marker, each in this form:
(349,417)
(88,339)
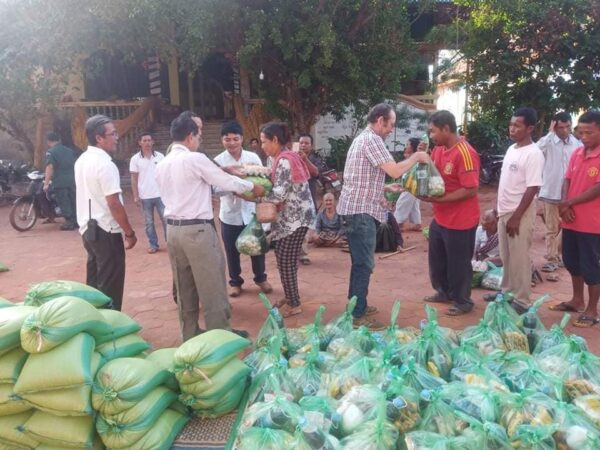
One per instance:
(506,383)
(211,378)
(137,404)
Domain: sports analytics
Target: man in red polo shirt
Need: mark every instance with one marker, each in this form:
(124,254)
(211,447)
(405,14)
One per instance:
(580,213)
(455,216)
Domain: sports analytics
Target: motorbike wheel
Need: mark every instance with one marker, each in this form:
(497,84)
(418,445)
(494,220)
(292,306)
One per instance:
(23,214)
(485,177)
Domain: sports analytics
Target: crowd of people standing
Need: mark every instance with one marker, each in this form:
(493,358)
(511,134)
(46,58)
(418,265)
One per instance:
(559,170)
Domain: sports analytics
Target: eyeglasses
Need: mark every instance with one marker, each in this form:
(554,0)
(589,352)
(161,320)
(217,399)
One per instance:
(114,134)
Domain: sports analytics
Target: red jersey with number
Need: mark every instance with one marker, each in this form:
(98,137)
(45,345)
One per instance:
(459,167)
(583,174)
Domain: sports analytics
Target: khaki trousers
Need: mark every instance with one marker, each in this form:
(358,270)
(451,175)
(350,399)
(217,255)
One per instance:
(198,269)
(515,255)
(553,231)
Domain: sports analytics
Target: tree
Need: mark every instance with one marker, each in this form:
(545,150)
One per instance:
(539,53)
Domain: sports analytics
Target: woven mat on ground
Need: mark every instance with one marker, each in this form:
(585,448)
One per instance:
(205,434)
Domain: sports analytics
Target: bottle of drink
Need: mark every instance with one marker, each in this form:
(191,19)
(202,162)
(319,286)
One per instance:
(425,140)
(313,436)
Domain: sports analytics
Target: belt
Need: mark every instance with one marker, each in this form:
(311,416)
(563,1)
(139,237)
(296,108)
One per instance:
(183,222)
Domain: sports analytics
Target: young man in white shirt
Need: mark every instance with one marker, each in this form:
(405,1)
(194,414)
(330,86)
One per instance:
(236,213)
(520,181)
(558,146)
(142,167)
(185,178)
(100,213)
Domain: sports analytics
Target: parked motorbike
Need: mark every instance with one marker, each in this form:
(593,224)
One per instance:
(33,205)
(491,166)
(11,173)
(330,182)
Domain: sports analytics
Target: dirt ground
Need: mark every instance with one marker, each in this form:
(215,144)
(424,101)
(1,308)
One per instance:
(46,253)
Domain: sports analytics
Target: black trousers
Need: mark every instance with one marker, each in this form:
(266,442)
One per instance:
(106,265)
(450,271)
(65,197)
(230,234)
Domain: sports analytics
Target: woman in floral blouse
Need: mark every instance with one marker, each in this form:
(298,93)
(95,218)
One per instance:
(296,210)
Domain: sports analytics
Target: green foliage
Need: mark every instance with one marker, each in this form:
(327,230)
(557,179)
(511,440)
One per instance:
(485,138)
(336,159)
(538,53)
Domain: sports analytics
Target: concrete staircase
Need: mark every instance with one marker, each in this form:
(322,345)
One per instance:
(211,138)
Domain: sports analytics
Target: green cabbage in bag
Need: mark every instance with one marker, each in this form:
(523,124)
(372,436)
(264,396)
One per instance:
(41,293)
(252,241)
(263,181)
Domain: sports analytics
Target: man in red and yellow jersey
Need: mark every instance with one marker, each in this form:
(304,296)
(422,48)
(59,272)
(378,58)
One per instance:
(455,216)
(580,212)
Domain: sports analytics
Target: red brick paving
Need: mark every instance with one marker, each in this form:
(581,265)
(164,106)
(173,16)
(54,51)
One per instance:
(46,253)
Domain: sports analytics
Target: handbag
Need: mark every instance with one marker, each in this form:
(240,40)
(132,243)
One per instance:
(266,212)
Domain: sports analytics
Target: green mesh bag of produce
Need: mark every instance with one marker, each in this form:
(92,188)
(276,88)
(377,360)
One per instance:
(59,320)
(256,438)
(202,356)
(121,324)
(252,241)
(11,321)
(124,429)
(121,383)
(11,403)
(123,347)
(11,434)
(11,364)
(40,293)
(69,365)
(64,432)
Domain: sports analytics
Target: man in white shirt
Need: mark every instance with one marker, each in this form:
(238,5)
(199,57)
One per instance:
(100,212)
(142,167)
(558,146)
(185,178)
(520,181)
(236,213)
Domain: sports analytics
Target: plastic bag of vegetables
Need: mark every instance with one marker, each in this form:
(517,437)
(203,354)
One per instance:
(340,326)
(417,377)
(466,354)
(520,371)
(275,380)
(256,438)
(484,337)
(342,380)
(258,175)
(438,416)
(301,339)
(375,434)
(589,405)
(427,440)
(310,436)
(492,279)
(575,431)
(358,406)
(583,375)
(321,410)
(477,402)
(359,342)
(308,376)
(276,413)
(397,334)
(403,408)
(525,408)
(487,435)
(514,339)
(531,324)
(424,180)
(529,437)
(273,326)
(555,336)
(479,375)
(252,241)
(557,360)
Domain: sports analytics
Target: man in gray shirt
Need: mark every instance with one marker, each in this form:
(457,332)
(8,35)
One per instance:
(557,146)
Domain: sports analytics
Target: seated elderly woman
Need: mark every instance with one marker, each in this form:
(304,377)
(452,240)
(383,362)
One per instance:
(328,226)
(486,239)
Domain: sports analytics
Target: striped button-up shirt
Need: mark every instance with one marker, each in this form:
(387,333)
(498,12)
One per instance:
(362,192)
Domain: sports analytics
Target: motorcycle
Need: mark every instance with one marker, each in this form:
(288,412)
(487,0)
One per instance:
(11,174)
(330,182)
(491,166)
(33,205)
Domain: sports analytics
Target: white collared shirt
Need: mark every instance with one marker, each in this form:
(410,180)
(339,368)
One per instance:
(557,153)
(185,178)
(96,177)
(234,210)
(146,170)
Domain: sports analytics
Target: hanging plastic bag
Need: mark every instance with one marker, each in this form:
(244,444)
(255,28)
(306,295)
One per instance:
(340,326)
(525,408)
(492,279)
(424,180)
(252,241)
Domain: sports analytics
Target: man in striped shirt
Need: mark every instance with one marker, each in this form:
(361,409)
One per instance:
(361,202)
(455,216)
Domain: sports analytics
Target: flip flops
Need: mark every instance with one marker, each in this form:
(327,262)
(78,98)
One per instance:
(552,277)
(564,307)
(453,311)
(550,267)
(436,298)
(584,321)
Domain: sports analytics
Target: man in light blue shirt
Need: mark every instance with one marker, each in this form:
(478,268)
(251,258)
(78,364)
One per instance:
(236,213)
(558,146)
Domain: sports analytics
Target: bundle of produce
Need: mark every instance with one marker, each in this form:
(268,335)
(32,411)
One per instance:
(392,196)
(212,380)
(61,431)
(48,290)
(341,380)
(58,320)
(301,339)
(358,343)
(252,241)
(504,321)
(438,416)
(424,180)
(11,432)
(59,381)
(258,175)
